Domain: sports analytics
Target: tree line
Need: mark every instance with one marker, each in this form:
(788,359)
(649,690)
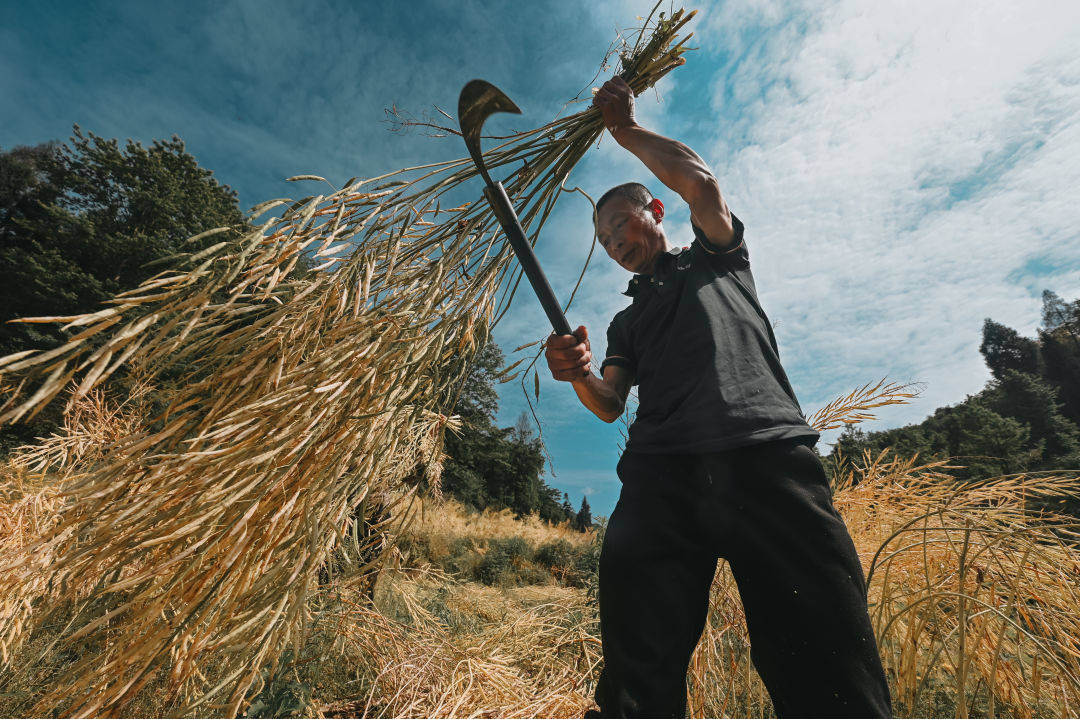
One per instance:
(1026,418)
(498,467)
(83,220)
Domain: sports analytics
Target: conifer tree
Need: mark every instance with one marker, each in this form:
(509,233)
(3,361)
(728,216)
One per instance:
(584,516)
(1004,349)
(1060,339)
(568,509)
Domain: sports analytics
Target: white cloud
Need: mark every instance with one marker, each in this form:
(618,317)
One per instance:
(898,165)
(904,171)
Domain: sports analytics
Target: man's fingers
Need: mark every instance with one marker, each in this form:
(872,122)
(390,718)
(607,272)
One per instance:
(568,356)
(572,355)
(571,374)
(564,364)
(616,89)
(603,95)
(562,341)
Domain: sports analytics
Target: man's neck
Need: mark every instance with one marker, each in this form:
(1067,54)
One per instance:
(664,247)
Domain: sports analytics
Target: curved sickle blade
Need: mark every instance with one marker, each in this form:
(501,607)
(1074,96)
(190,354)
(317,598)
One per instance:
(478,100)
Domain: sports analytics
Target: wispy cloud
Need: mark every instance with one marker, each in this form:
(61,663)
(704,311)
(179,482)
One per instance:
(904,170)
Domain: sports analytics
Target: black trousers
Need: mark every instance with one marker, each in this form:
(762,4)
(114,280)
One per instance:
(767,509)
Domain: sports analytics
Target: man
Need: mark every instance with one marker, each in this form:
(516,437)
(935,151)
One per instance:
(719,464)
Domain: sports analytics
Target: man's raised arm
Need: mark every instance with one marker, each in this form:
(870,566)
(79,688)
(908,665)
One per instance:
(677,166)
(569,358)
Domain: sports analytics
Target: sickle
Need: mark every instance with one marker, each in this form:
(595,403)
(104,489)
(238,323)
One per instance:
(478,101)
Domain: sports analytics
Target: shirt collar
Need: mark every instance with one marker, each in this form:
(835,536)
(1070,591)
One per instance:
(662,263)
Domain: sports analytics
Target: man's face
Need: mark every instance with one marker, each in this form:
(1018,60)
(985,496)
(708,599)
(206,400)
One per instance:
(630,234)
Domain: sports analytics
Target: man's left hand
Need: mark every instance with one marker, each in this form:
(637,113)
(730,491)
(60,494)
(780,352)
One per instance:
(616,102)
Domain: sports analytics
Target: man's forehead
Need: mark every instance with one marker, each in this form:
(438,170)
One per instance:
(614,207)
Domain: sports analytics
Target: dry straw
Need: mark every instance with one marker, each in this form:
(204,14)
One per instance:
(197,537)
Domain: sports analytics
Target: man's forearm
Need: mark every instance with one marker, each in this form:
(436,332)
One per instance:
(600,397)
(673,163)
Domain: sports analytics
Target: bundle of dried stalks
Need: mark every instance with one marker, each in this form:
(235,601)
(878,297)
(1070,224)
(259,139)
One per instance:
(28,510)
(206,526)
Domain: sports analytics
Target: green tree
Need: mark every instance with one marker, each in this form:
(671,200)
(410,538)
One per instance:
(987,443)
(1033,402)
(567,508)
(1059,314)
(550,510)
(489,466)
(518,486)
(479,401)
(471,452)
(1060,340)
(80,222)
(584,515)
(1004,349)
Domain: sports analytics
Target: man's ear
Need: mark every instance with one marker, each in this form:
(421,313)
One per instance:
(657,208)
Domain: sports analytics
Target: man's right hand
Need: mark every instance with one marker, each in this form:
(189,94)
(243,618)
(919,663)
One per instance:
(569,356)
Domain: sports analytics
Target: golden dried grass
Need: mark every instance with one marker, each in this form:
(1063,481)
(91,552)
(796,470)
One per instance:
(437,647)
(27,511)
(196,537)
(529,653)
(452,520)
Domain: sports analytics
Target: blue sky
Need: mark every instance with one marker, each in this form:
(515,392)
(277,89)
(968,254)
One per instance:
(903,170)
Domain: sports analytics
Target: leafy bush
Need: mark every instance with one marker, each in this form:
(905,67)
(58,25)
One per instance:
(557,556)
(572,565)
(507,563)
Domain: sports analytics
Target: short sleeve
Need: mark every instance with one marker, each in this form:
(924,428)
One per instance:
(736,255)
(619,350)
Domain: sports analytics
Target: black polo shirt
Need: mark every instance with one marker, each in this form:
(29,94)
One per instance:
(703,355)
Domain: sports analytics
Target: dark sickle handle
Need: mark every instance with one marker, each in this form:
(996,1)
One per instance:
(504,212)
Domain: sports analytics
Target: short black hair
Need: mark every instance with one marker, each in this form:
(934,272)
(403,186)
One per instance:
(633,191)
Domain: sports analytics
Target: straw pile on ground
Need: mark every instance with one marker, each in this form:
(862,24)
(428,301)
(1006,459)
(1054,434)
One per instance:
(282,405)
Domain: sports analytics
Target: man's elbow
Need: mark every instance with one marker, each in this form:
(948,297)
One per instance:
(612,415)
(701,187)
